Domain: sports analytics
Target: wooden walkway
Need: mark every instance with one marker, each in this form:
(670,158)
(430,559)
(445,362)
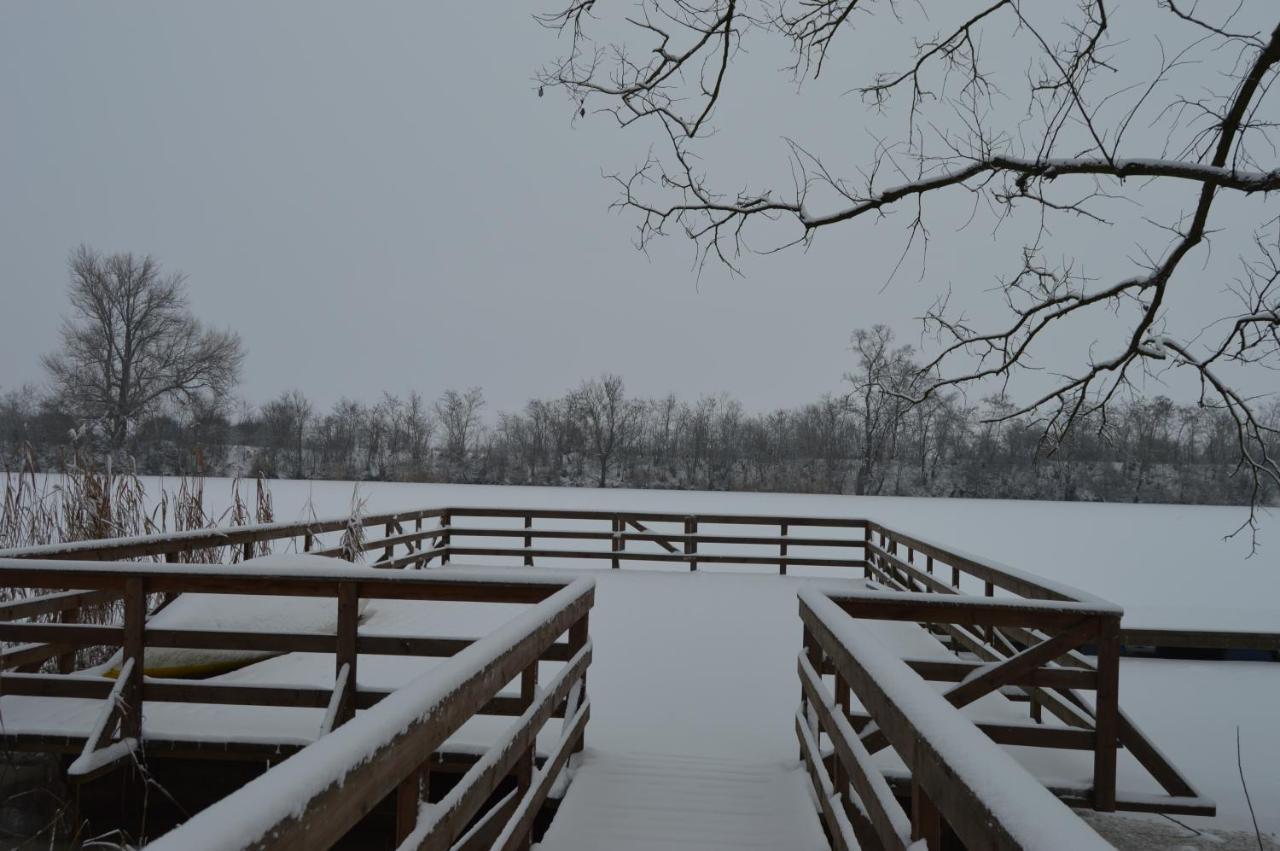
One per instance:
(691,698)
(635,802)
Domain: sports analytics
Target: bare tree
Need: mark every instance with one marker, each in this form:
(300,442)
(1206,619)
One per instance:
(287,417)
(1083,109)
(607,419)
(459,416)
(132,344)
(884,376)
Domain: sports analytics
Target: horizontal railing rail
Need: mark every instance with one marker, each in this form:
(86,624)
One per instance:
(137,583)
(333,783)
(999,616)
(961,782)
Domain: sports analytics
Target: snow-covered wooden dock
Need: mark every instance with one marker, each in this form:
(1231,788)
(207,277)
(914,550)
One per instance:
(690,705)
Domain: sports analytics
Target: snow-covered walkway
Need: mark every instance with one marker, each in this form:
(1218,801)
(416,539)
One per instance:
(691,743)
(633,802)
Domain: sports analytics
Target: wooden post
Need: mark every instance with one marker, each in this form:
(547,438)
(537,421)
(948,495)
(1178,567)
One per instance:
(135,622)
(308,541)
(348,623)
(524,767)
(528,541)
(248,551)
(955,578)
(782,551)
(408,801)
(446,520)
(690,545)
(840,773)
(578,636)
(866,554)
(388,552)
(928,565)
(615,543)
(926,821)
(67,661)
(1107,715)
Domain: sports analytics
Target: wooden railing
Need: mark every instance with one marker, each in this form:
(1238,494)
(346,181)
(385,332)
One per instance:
(621,537)
(1013,632)
(962,783)
(314,798)
(1029,654)
(475,674)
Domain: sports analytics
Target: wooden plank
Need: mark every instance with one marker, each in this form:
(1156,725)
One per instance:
(61,601)
(957,609)
(227,579)
(955,670)
(1024,585)
(346,792)
(1201,639)
(113,712)
(1022,735)
(345,655)
(339,701)
(662,540)
(1106,714)
(70,635)
(991,677)
(486,829)
(690,558)
(462,803)
(135,618)
(967,808)
(516,834)
(882,809)
(838,827)
(662,517)
(408,802)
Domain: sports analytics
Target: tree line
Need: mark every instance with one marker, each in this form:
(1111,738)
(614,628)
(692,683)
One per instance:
(139,381)
(860,439)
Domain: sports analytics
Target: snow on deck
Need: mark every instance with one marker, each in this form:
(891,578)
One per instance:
(637,802)
(695,673)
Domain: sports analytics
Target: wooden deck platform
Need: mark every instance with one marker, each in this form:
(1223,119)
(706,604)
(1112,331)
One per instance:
(700,664)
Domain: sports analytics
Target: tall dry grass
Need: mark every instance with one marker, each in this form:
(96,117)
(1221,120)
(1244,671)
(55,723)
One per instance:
(89,502)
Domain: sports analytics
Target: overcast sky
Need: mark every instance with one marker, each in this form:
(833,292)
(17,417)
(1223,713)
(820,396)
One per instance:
(374,197)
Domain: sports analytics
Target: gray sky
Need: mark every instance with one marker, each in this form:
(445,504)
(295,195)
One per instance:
(375,198)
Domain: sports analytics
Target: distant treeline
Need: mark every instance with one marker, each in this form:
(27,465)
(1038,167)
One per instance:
(863,441)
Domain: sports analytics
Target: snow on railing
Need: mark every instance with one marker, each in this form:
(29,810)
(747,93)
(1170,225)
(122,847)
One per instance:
(960,778)
(314,797)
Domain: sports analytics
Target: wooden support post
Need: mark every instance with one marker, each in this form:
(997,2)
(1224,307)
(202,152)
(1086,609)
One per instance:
(926,821)
(690,545)
(446,520)
(524,767)
(1107,715)
(348,624)
(408,801)
(782,551)
(867,556)
(955,578)
(308,541)
(528,541)
(248,551)
(615,543)
(389,552)
(67,661)
(840,774)
(579,633)
(135,622)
